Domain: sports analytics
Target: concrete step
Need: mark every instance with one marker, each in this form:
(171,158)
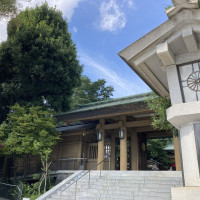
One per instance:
(90,198)
(116,190)
(98,196)
(137,173)
(115,194)
(130,182)
(118,185)
(130,177)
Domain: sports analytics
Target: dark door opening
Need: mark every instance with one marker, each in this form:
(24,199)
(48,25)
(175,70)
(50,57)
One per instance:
(160,151)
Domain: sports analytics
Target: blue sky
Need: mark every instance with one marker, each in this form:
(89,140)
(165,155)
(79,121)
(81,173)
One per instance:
(102,28)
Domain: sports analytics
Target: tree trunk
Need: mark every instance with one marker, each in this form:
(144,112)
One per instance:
(45,180)
(41,180)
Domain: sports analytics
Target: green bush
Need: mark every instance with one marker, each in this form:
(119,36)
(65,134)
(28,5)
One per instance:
(30,190)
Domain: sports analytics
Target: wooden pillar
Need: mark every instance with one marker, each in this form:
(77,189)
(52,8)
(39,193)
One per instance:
(123,151)
(123,147)
(101,146)
(177,153)
(134,151)
(112,159)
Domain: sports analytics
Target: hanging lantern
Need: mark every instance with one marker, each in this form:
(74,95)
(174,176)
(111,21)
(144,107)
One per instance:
(121,133)
(99,136)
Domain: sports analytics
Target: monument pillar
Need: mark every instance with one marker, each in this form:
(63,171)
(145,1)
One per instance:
(184,114)
(168,60)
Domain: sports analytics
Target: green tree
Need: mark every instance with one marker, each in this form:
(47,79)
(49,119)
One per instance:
(89,92)
(29,130)
(155,151)
(159,105)
(9,8)
(38,62)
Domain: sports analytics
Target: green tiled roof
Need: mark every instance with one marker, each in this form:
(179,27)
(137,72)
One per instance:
(110,103)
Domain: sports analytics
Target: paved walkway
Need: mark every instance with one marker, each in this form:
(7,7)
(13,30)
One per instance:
(3,198)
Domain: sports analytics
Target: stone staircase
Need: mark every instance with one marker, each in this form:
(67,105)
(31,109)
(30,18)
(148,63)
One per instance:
(120,185)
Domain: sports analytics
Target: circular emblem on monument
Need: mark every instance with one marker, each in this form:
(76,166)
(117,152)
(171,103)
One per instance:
(193,81)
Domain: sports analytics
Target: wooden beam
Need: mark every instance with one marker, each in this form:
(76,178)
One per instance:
(145,129)
(80,132)
(133,124)
(141,123)
(111,126)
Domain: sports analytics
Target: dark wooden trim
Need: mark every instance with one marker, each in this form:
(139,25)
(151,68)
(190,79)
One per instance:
(128,109)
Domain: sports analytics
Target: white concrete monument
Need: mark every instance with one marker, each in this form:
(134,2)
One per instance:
(168,60)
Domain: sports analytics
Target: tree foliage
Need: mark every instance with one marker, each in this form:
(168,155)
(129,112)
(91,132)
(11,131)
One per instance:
(28,130)
(7,8)
(38,62)
(89,92)
(155,151)
(159,105)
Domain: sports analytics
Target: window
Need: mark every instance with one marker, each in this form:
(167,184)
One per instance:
(189,77)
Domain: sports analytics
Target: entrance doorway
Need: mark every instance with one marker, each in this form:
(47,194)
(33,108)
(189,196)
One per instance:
(142,149)
(161,152)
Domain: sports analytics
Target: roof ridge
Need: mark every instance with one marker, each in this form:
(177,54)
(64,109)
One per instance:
(113,100)
(109,103)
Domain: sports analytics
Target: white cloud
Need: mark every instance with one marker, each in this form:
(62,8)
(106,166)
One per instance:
(130,4)
(112,18)
(3,31)
(122,86)
(75,29)
(66,6)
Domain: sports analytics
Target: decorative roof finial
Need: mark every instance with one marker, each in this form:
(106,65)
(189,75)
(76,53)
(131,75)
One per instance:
(179,5)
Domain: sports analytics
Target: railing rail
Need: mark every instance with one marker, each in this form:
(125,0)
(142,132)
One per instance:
(106,156)
(12,192)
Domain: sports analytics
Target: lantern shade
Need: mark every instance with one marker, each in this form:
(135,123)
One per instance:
(121,133)
(99,136)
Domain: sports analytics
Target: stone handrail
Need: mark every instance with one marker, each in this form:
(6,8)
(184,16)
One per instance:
(54,190)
